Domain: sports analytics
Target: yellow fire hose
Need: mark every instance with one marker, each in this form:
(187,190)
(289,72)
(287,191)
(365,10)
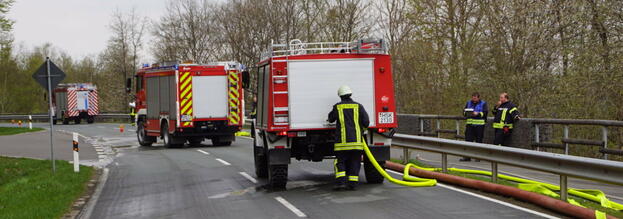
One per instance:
(524,184)
(412,181)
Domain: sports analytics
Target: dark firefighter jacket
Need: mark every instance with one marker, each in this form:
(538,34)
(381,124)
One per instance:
(480,108)
(505,115)
(351,119)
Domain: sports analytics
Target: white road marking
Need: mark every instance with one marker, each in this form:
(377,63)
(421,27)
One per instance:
(203,152)
(245,137)
(486,198)
(291,207)
(223,162)
(249,177)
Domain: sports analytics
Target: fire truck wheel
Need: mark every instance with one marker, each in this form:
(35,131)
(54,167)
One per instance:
(216,141)
(372,175)
(65,121)
(77,120)
(277,176)
(261,164)
(141,134)
(90,119)
(54,121)
(167,139)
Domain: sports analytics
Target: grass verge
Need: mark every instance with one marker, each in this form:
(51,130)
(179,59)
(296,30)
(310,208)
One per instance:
(16,130)
(28,189)
(584,202)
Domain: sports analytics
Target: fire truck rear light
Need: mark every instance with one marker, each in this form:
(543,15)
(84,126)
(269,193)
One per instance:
(280,147)
(282,133)
(382,130)
(291,134)
(379,144)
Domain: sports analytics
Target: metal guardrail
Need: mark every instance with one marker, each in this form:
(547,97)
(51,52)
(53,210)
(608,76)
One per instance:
(560,164)
(536,124)
(44,117)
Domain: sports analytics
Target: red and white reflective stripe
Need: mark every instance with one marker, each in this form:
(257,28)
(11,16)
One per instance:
(71,103)
(93,103)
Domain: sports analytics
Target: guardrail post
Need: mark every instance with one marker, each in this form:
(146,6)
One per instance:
(438,128)
(444,162)
(405,155)
(494,172)
(604,137)
(537,136)
(566,135)
(421,126)
(563,188)
(458,129)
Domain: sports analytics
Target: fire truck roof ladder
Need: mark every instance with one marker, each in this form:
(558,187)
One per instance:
(297,47)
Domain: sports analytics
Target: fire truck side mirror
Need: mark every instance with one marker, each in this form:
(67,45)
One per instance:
(246,79)
(128,85)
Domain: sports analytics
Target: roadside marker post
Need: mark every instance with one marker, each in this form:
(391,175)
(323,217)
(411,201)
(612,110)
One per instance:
(30,121)
(19,123)
(76,155)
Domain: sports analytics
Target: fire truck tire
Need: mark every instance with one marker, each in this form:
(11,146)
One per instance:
(77,120)
(65,121)
(90,119)
(261,163)
(372,175)
(141,134)
(54,121)
(277,176)
(216,141)
(168,140)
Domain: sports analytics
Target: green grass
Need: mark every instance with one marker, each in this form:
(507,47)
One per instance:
(28,189)
(16,130)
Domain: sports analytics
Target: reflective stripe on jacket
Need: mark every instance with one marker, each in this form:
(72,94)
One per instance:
(480,108)
(351,119)
(505,115)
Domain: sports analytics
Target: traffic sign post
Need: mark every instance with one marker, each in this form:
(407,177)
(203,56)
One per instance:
(48,76)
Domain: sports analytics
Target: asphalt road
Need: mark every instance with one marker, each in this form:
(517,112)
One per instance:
(37,145)
(219,182)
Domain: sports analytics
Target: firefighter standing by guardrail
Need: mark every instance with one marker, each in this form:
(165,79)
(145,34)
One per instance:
(352,119)
(475,112)
(506,114)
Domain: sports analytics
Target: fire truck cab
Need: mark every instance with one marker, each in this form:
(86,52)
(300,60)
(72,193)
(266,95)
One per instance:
(188,102)
(296,89)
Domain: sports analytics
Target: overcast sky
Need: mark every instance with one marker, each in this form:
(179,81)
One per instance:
(79,27)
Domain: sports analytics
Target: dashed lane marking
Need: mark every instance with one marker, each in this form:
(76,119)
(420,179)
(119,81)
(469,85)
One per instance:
(203,152)
(223,162)
(291,207)
(249,177)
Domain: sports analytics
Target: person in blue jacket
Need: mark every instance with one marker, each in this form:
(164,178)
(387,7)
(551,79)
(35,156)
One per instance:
(475,113)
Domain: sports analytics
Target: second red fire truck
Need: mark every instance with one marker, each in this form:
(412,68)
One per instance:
(297,86)
(182,103)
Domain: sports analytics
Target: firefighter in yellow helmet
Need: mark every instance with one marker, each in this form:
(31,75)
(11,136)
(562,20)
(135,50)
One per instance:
(351,121)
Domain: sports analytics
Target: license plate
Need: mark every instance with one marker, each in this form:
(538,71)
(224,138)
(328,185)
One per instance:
(301,134)
(386,117)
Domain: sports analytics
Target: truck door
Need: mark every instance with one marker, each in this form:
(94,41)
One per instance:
(209,96)
(82,100)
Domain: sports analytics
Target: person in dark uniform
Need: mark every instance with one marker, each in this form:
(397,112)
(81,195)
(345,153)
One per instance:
(506,114)
(351,121)
(475,112)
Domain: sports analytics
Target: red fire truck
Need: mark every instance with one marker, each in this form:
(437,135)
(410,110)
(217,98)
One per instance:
(297,87)
(189,103)
(74,102)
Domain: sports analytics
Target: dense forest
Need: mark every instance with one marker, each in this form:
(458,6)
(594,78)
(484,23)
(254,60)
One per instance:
(556,58)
